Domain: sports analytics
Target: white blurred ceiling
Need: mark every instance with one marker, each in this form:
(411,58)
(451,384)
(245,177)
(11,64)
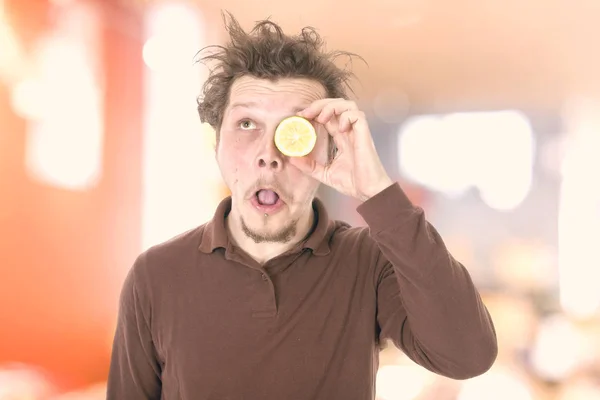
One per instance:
(462,53)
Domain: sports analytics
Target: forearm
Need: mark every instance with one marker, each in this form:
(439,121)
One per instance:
(447,327)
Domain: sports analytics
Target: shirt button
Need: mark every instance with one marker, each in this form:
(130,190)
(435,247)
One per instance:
(264,277)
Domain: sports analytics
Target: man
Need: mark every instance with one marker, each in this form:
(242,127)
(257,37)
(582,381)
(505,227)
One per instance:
(271,299)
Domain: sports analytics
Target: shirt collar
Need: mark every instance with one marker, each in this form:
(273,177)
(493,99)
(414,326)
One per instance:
(215,233)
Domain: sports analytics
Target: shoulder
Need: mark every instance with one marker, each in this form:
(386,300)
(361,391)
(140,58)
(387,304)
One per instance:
(182,245)
(353,240)
(161,261)
(344,233)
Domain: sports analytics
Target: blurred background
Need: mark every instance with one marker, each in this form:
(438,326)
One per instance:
(487,112)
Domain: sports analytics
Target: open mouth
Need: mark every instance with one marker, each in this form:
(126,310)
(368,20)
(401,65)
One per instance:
(267,197)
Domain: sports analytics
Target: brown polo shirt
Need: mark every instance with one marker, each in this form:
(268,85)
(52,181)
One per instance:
(199,319)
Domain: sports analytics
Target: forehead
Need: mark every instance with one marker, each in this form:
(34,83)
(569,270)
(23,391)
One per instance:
(290,94)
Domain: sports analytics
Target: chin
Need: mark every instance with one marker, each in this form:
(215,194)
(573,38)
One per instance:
(269,229)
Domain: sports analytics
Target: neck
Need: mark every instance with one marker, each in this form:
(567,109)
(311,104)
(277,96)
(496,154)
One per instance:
(264,251)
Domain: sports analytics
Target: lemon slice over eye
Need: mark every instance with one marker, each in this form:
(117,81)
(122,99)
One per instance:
(295,137)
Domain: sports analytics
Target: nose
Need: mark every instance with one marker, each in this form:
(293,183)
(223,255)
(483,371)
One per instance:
(269,157)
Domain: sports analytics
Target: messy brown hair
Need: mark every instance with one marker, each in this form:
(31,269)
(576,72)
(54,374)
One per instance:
(266,52)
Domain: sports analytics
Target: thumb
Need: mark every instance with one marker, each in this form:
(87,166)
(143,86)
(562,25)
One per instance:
(310,167)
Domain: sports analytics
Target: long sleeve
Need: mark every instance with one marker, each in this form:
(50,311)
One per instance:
(427,303)
(134,370)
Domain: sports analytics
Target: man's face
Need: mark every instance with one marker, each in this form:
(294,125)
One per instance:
(269,196)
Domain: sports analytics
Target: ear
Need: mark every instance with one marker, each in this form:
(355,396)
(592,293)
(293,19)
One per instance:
(210,134)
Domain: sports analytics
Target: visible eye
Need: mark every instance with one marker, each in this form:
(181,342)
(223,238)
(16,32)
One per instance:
(247,125)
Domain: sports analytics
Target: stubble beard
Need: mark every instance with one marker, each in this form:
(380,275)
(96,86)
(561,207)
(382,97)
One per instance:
(283,235)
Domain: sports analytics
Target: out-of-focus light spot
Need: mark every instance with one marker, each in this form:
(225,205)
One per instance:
(160,54)
(94,392)
(579,212)
(400,382)
(64,145)
(491,151)
(28,99)
(552,153)
(496,384)
(20,382)
(506,173)
(580,389)
(11,53)
(557,350)
(182,183)
(62,103)
(67,157)
(172,44)
(431,158)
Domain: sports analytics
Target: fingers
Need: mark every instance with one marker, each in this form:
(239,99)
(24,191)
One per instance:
(349,119)
(338,115)
(324,110)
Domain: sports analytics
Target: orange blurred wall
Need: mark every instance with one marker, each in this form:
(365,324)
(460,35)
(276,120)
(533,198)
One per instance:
(64,254)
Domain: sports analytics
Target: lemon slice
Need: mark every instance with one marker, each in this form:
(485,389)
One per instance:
(295,137)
